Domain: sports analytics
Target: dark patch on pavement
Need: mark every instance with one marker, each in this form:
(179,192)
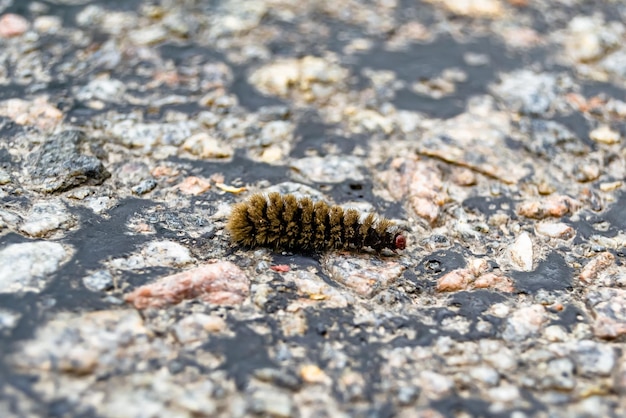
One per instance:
(427,60)
(314,136)
(239,168)
(569,317)
(489,205)
(441,262)
(244,353)
(553,273)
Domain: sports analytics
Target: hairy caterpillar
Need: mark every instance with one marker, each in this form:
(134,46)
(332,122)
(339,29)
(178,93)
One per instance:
(284,222)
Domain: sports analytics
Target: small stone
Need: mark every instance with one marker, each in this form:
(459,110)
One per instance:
(435,384)
(47,24)
(275,132)
(144,187)
(311,373)
(524,322)
(204,145)
(485,374)
(302,75)
(99,281)
(28,266)
(8,319)
(5,177)
(598,264)
(166,253)
(361,275)
(60,164)
(46,217)
(454,281)
(330,169)
(422,181)
(78,344)
(528,92)
(605,135)
(221,283)
(608,307)
(521,252)
(197,327)
(104,89)
(148,135)
(593,358)
(558,230)
(558,374)
(12,25)
(610,186)
(149,35)
(505,393)
(473,8)
(555,333)
(194,186)
(271,402)
(555,206)
(37,113)
(494,281)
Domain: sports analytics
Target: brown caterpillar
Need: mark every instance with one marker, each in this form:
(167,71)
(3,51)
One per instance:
(284,222)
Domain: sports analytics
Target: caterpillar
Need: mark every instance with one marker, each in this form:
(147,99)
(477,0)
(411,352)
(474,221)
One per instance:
(287,223)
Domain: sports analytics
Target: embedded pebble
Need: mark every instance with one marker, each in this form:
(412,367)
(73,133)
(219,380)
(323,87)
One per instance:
(204,145)
(524,322)
(485,374)
(105,89)
(98,281)
(605,135)
(521,252)
(553,206)
(282,76)
(527,92)
(46,217)
(221,283)
(148,35)
(47,24)
(12,25)
(147,135)
(194,186)
(557,374)
(37,112)
(166,253)
(590,37)
(422,181)
(593,358)
(364,276)
(558,230)
(82,343)
(329,169)
(61,163)
(144,187)
(271,402)
(156,253)
(609,309)
(8,319)
(470,140)
(593,268)
(197,327)
(5,177)
(29,266)
(472,8)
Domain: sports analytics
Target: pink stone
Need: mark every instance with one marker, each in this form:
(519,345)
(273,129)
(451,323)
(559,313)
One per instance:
(12,25)
(221,283)
(455,280)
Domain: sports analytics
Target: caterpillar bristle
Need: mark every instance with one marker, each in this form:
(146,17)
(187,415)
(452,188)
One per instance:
(285,222)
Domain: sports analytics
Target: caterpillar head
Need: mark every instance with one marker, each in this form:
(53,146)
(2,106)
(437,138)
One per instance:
(399,241)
